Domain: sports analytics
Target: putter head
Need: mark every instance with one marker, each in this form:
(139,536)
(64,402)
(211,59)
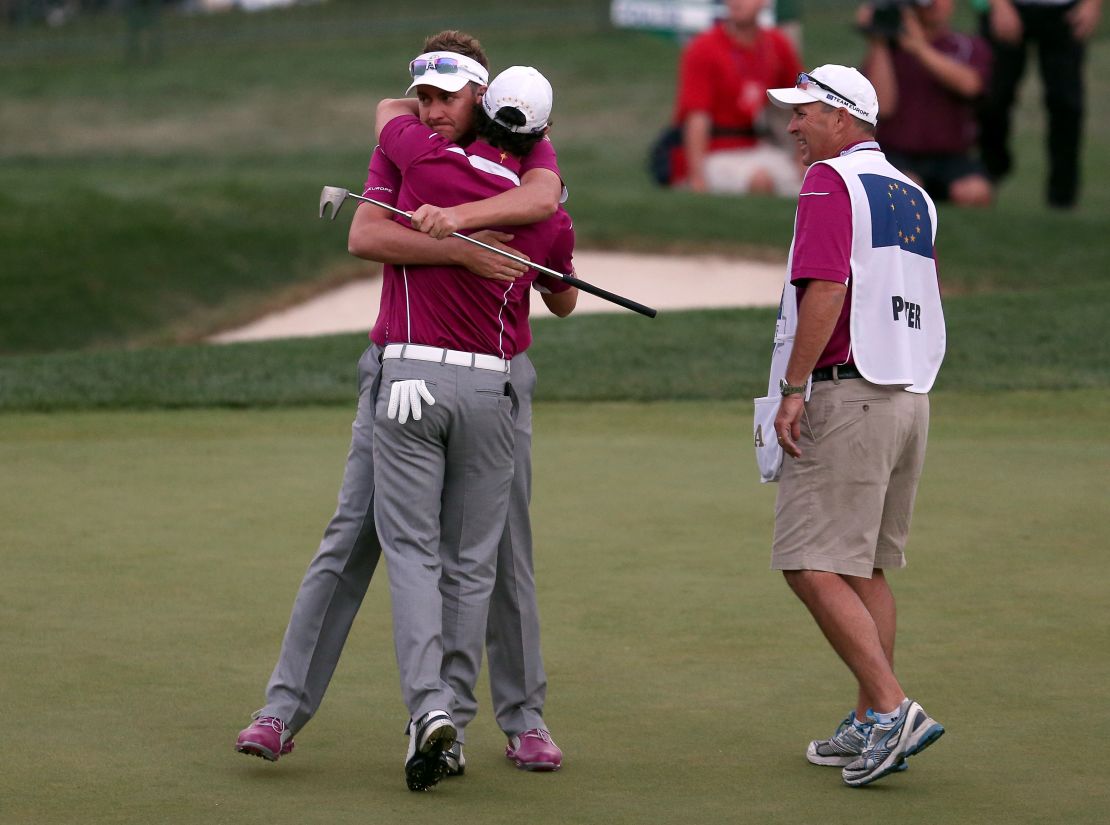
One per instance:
(332,196)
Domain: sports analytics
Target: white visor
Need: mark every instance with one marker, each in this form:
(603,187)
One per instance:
(449,71)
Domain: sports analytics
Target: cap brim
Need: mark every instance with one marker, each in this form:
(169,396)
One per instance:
(447,82)
(788,98)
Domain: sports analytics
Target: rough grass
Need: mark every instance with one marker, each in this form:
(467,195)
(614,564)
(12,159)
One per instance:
(151,204)
(995,342)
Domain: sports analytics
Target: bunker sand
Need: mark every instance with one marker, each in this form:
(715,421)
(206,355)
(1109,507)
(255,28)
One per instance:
(667,283)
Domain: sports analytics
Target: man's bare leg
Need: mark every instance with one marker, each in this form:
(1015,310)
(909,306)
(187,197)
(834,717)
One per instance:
(877,597)
(853,632)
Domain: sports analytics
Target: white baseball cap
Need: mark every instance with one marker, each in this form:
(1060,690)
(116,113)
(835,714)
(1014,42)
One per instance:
(524,89)
(839,86)
(449,71)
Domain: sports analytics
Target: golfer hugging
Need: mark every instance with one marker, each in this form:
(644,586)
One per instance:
(439,472)
(443,478)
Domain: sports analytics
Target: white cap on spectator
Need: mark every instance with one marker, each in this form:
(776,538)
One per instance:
(839,86)
(524,89)
(449,71)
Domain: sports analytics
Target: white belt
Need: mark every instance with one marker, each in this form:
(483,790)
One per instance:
(419,352)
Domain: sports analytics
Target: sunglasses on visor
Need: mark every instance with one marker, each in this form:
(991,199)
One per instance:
(439,65)
(804,81)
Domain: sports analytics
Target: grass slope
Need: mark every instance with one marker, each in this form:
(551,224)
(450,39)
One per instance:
(156,555)
(995,342)
(149,204)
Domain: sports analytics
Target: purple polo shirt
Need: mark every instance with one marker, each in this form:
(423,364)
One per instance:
(448,306)
(383,178)
(931,119)
(823,250)
(561,259)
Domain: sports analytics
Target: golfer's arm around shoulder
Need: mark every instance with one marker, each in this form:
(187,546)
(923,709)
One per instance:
(535,200)
(391,108)
(375,235)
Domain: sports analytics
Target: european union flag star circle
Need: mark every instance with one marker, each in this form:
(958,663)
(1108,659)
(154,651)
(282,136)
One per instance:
(899,215)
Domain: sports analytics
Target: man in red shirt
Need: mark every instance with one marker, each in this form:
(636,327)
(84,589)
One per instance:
(929,79)
(723,79)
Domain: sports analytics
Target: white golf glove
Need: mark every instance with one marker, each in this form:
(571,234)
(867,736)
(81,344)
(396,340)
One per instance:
(404,397)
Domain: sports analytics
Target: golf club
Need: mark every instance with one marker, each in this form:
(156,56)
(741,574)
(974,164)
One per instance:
(334,196)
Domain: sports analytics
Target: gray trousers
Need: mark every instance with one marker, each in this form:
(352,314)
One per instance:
(441,496)
(338,576)
(517,680)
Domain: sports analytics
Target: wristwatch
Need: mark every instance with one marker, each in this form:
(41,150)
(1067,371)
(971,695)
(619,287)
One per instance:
(790,389)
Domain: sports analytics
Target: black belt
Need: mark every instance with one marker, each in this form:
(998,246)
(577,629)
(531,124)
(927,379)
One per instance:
(838,372)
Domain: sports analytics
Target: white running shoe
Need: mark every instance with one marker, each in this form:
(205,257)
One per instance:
(843,747)
(888,746)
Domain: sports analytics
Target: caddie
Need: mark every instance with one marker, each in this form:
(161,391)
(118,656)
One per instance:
(861,337)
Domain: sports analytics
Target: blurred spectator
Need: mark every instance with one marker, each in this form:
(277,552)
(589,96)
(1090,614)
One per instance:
(1060,28)
(928,79)
(722,92)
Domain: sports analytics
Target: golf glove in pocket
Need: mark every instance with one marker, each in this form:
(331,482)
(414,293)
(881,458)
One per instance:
(404,398)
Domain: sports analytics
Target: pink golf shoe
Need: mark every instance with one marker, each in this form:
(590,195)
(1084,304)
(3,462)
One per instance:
(534,750)
(263,737)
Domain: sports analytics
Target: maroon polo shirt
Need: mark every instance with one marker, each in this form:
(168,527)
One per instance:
(823,250)
(932,119)
(448,306)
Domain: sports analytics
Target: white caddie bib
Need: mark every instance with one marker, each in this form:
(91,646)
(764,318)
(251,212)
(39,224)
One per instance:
(768,452)
(897,324)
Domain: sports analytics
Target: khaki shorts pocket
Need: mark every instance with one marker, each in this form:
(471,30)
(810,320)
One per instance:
(865,402)
(815,416)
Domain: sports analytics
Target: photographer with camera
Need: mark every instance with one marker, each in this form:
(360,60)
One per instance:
(928,79)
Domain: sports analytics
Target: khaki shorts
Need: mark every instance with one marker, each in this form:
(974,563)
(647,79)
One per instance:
(845,505)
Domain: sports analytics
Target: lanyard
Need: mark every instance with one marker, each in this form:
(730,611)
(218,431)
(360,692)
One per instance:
(867,144)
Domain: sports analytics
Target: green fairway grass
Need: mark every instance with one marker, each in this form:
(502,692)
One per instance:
(157,203)
(151,560)
(160,498)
